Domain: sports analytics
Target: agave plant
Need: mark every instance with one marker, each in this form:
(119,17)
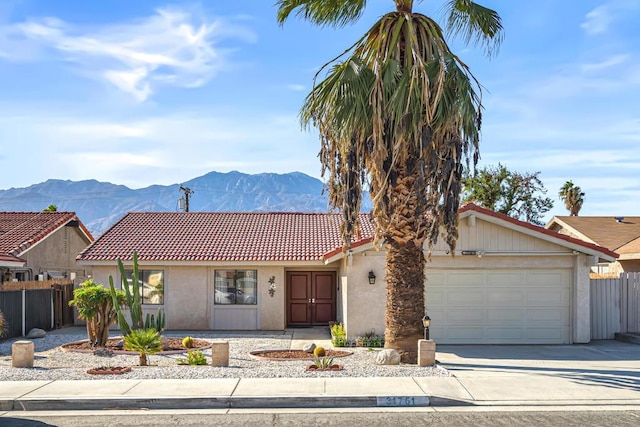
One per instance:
(144,342)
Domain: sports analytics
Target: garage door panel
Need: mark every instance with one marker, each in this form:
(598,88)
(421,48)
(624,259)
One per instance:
(506,315)
(499,306)
(465,296)
(435,297)
(547,297)
(496,278)
(546,278)
(465,315)
(467,278)
(547,315)
(505,296)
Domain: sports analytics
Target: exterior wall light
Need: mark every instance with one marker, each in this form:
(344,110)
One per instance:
(372,278)
(426,323)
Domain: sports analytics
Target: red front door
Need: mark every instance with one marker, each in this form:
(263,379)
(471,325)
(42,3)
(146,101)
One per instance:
(311,297)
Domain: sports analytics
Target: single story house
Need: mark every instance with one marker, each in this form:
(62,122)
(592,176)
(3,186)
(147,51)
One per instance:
(40,245)
(619,234)
(509,282)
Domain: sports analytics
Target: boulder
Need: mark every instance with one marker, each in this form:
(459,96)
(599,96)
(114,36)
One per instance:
(309,347)
(388,357)
(36,333)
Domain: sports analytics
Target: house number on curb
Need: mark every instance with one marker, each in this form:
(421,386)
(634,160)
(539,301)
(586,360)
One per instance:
(403,401)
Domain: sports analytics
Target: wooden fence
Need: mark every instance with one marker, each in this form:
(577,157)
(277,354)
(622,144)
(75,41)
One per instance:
(615,306)
(42,304)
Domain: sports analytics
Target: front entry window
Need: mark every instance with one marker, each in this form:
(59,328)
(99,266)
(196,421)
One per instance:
(236,287)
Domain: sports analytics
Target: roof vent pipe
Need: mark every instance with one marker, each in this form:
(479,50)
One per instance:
(619,219)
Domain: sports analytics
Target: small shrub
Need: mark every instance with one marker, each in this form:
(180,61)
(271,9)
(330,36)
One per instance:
(187,342)
(323,362)
(144,342)
(319,352)
(194,357)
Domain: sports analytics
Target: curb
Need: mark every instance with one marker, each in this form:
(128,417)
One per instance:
(99,403)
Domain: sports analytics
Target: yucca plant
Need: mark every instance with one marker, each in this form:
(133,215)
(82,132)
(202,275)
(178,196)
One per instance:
(144,342)
(325,362)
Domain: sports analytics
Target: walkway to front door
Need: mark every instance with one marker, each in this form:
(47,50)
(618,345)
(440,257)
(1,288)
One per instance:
(311,297)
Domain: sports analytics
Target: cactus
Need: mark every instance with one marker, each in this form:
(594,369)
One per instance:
(319,352)
(187,342)
(157,322)
(132,298)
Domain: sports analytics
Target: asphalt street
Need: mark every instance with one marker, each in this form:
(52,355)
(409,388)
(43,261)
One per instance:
(328,418)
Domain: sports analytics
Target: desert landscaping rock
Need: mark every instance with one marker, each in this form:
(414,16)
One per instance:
(388,357)
(36,333)
(51,363)
(309,347)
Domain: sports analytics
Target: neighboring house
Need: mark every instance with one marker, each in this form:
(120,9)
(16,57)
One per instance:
(619,234)
(510,281)
(43,245)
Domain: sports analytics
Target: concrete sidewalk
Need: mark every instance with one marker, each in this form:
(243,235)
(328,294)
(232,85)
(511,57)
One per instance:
(470,390)
(601,373)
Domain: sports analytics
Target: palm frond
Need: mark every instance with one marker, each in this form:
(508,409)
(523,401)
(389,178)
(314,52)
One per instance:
(335,13)
(475,23)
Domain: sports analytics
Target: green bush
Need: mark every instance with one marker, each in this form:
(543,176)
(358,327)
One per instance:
(194,357)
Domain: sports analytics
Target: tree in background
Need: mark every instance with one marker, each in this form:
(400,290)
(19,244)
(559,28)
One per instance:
(96,305)
(400,113)
(572,196)
(51,208)
(519,195)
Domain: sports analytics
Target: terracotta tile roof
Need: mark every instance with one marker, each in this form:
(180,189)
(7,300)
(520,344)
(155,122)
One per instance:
(551,233)
(603,230)
(21,230)
(221,236)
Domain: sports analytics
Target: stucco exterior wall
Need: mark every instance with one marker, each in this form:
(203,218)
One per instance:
(365,303)
(57,252)
(189,290)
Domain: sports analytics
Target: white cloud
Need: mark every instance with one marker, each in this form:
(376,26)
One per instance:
(610,62)
(597,21)
(171,47)
(149,150)
(296,87)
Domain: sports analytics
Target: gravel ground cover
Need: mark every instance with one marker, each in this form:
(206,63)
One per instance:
(51,363)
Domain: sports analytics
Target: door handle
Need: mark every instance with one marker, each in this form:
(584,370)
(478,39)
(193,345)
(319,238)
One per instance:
(309,301)
(313,300)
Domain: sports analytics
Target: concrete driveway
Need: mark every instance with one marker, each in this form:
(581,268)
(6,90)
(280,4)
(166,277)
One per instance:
(602,371)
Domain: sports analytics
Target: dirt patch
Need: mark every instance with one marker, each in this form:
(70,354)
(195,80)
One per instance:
(294,354)
(170,346)
(314,368)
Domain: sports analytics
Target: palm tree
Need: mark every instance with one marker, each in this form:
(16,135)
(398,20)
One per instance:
(399,111)
(572,196)
(144,342)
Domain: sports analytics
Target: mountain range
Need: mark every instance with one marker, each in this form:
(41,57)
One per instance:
(100,204)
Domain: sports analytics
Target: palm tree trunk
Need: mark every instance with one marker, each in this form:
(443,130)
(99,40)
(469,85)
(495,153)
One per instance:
(405,299)
(405,265)
(143,359)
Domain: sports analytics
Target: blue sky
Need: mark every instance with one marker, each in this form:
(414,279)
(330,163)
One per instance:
(149,92)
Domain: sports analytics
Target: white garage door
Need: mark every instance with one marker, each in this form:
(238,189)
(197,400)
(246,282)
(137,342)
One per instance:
(499,306)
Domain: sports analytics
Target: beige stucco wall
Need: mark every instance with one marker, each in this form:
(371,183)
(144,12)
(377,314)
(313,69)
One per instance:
(189,294)
(57,252)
